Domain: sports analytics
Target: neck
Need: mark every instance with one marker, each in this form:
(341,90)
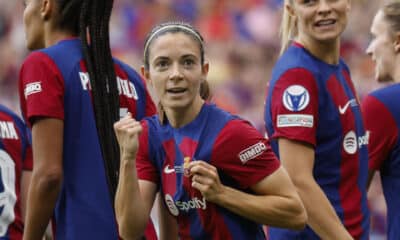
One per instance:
(327,51)
(396,76)
(53,37)
(179,117)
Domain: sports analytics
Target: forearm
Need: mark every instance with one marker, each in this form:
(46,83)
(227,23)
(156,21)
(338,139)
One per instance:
(278,211)
(322,217)
(43,194)
(131,212)
(168,227)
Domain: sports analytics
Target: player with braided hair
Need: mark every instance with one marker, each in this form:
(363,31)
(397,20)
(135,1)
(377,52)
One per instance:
(71,92)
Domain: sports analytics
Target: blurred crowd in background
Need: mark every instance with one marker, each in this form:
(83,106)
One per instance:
(242,45)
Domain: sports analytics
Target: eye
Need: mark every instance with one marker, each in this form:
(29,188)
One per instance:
(308,2)
(162,64)
(188,62)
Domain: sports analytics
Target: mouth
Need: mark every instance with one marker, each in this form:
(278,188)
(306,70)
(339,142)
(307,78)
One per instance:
(177,90)
(325,23)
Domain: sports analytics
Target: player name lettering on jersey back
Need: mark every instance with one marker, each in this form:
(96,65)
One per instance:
(252,152)
(125,87)
(7,130)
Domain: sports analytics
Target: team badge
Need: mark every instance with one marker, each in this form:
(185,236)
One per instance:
(296,98)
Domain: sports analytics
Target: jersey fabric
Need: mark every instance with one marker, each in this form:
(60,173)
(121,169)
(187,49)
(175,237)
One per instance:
(54,84)
(314,102)
(15,157)
(241,155)
(382,119)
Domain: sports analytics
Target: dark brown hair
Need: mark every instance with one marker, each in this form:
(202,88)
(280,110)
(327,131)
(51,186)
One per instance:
(175,27)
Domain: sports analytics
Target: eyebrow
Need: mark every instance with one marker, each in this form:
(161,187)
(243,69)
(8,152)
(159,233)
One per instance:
(189,55)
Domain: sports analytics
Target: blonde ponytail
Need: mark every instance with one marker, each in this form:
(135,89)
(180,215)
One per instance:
(287,30)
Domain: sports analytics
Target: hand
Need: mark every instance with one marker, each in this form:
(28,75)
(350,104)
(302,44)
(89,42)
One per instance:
(205,178)
(127,131)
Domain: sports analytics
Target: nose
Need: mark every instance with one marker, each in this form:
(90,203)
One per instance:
(176,73)
(324,7)
(369,49)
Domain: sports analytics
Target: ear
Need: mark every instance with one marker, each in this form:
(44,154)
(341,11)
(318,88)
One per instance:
(204,70)
(397,42)
(46,9)
(145,74)
(348,7)
(290,10)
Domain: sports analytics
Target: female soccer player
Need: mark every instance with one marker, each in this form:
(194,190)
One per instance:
(314,120)
(216,173)
(15,173)
(382,112)
(71,94)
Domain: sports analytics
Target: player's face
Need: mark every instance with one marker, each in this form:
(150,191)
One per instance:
(382,48)
(33,24)
(176,71)
(320,20)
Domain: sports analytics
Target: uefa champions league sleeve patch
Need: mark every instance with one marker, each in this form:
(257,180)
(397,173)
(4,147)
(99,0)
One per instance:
(296,98)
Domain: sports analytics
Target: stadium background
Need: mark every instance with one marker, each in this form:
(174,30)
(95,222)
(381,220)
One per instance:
(242,46)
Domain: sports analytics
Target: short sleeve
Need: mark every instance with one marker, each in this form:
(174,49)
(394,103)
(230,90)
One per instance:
(294,106)
(146,170)
(382,129)
(242,153)
(41,88)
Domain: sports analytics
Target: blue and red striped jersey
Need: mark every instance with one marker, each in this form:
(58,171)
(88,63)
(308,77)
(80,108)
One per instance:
(382,119)
(241,155)
(15,157)
(314,102)
(54,83)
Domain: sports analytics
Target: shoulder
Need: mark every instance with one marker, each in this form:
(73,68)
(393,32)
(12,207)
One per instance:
(294,64)
(10,121)
(38,62)
(36,57)
(151,124)
(237,129)
(217,113)
(384,93)
(10,114)
(382,100)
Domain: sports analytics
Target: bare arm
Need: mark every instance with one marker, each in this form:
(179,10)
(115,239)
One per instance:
(25,180)
(134,198)
(276,202)
(167,223)
(371,174)
(47,139)
(298,159)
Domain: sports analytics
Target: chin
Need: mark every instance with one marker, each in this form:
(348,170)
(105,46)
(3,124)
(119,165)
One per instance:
(384,78)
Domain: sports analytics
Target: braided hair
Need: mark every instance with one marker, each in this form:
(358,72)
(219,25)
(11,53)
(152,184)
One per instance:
(90,20)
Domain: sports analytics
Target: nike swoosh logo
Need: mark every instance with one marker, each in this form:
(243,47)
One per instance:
(351,102)
(168,170)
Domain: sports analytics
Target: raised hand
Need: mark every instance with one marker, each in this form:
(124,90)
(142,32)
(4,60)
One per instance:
(205,179)
(127,131)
